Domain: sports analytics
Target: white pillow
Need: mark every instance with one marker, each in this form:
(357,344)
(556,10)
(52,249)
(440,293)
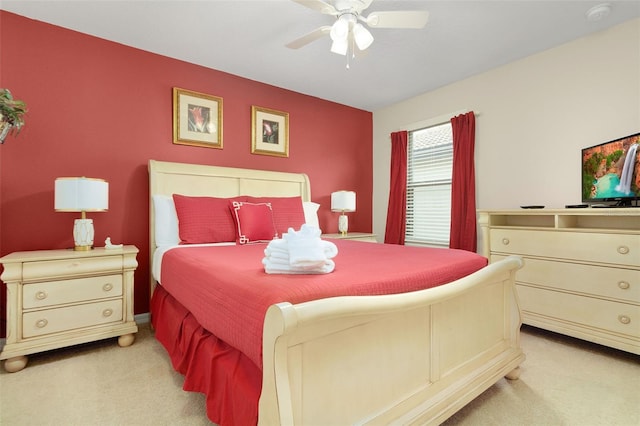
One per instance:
(311,213)
(166,221)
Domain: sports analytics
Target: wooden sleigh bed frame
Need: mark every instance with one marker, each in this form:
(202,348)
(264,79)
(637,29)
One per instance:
(411,358)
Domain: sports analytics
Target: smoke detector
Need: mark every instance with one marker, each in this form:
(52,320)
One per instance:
(598,12)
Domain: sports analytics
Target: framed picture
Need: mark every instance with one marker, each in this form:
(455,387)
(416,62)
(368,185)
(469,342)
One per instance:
(197,119)
(269,132)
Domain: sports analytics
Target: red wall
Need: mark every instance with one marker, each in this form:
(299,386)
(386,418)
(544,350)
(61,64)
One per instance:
(101,109)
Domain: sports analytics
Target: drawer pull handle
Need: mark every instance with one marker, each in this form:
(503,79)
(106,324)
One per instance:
(623,249)
(107,287)
(624,319)
(107,313)
(41,295)
(505,241)
(624,285)
(42,323)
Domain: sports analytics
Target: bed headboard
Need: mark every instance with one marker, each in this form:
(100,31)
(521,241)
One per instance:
(167,178)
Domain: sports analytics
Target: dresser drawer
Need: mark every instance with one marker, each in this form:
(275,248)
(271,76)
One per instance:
(585,246)
(32,271)
(38,295)
(615,283)
(55,320)
(615,317)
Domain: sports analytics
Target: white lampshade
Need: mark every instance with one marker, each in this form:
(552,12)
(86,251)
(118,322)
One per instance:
(81,194)
(78,194)
(340,47)
(362,36)
(343,201)
(340,28)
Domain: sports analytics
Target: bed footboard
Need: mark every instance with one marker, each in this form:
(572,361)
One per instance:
(412,358)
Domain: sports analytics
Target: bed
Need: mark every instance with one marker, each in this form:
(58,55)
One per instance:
(412,355)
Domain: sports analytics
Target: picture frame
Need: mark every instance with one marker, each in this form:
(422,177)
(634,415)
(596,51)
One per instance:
(197,119)
(269,132)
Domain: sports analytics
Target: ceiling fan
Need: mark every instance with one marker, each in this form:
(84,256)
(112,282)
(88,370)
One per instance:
(348,33)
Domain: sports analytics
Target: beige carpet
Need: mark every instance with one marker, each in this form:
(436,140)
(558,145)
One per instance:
(564,381)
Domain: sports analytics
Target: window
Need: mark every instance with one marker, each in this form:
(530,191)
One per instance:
(429,168)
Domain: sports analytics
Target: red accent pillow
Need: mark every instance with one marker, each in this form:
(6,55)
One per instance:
(254,222)
(204,219)
(287,212)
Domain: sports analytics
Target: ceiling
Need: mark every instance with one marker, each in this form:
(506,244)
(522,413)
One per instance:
(247,38)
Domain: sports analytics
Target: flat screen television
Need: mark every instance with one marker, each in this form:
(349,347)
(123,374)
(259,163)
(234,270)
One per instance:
(611,172)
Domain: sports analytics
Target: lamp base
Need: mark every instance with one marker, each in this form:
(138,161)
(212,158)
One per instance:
(343,224)
(83,234)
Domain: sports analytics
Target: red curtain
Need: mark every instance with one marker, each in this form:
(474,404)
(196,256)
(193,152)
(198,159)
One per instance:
(396,212)
(463,233)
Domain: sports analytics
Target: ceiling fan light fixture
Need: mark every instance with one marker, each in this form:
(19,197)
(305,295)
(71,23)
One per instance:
(340,47)
(348,36)
(340,28)
(362,36)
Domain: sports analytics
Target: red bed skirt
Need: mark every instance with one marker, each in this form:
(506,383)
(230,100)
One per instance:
(230,381)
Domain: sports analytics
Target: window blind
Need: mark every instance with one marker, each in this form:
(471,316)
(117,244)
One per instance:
(429,168)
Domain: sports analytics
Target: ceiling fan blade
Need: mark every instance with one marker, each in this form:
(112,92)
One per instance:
(308,38)
(318,6)
(363,4)
(398,19)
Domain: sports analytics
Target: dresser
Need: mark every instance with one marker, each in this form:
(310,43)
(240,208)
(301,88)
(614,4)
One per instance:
(581,274)
(58,298)
(359,236)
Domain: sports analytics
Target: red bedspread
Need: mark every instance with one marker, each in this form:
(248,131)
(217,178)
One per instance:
(228,292)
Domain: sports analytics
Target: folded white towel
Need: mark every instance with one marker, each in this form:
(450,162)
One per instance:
(278,268)
(278,244)
(300,252)
(330,249)
(276,261)
(306,249)
(306,231)
(277,254)
(306,253)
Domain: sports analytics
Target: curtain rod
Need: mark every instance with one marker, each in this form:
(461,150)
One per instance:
(435,120)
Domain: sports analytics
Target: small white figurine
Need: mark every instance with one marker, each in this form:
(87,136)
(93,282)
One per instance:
(108,245)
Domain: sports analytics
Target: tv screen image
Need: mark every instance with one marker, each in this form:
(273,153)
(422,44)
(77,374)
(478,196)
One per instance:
(611,171)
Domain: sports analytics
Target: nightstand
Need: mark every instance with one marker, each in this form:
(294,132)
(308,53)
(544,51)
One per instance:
(360,236)
(58,298)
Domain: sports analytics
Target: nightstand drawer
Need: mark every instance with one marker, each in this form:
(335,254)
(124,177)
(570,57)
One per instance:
(357,236)
(32,271)
(367,239)
(38,295)
(56,320)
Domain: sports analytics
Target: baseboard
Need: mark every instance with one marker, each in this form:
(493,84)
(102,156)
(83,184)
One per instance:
(142,318)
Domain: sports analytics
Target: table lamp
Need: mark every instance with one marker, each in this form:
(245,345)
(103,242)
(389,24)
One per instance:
(343,201)
(81,194)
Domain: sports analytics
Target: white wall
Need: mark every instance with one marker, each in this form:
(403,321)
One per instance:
(535,115)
